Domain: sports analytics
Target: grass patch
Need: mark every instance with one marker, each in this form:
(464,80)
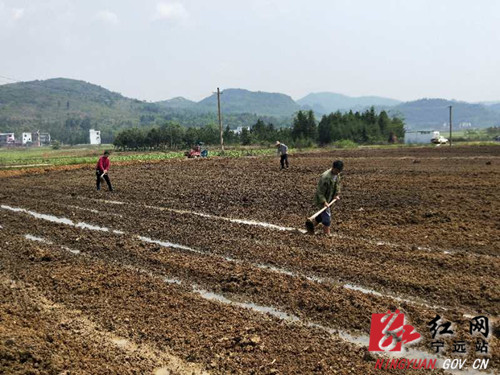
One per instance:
(87,155)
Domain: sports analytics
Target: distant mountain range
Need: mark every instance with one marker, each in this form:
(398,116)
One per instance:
(327,102)
(264,103)
(433,113)
(61,105)
(418,114)
(239,101)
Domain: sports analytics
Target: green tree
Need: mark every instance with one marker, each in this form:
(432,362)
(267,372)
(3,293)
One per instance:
(245,137)
(325,131)
(304,126)
(383,122)
(172,135)
(229,136)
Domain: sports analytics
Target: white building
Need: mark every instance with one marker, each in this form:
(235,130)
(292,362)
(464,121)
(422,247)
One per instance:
(239,129)
(7,138)
(27,138)
(421,136)
(95,137)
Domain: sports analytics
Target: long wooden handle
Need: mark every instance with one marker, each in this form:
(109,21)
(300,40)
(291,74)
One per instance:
(320,211)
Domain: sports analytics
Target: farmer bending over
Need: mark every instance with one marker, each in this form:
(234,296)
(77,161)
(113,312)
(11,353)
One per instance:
(327,190)
(283,153)
(102,171)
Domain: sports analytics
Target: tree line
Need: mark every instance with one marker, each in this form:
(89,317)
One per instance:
(173,136)
(366,127)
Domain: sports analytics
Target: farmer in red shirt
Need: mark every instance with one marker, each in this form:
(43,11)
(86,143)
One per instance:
(101,171)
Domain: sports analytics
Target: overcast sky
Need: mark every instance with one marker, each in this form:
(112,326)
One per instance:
(158,49)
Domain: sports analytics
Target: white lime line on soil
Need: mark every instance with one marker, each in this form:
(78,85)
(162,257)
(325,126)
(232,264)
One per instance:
(55,219)
(321,280)
(61,220)
(72,251)
(169,244)
(291,229)
(358,339)
(168,280)
(108,201)
(232,220)
(43,240)
(361,340)
(201,214)
(88,209)
(37,239)
(271,268)
(211,296)
(78,208)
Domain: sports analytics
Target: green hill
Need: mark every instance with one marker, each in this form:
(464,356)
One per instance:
(178,103)
(68,108)
(57,98)
(244,101)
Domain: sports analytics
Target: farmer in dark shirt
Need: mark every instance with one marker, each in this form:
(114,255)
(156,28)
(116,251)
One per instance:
(327,190)
(101,171)
(283,153)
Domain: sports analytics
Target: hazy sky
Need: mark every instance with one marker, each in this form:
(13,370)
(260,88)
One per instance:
(158,49)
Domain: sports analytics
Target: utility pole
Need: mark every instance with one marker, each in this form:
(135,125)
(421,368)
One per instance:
(220,120)
(451,126)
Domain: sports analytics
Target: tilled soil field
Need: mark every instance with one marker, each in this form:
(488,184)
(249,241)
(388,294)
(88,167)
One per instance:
(202,266)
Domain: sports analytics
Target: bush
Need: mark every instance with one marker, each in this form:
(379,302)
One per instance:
(303,143)
(56,145)
(345,143)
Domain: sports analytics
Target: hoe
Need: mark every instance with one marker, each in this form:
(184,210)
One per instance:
(310,225)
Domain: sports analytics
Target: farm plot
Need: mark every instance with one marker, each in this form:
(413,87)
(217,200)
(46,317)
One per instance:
(202,265)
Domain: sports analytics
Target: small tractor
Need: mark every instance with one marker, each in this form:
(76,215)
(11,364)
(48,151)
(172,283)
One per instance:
(197,151)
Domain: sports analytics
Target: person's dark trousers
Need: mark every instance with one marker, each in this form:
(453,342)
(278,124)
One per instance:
(98,180)
(284,160)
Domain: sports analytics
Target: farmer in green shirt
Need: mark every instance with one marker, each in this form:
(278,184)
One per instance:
(327,190)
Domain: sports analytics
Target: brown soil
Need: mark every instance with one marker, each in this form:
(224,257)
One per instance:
(419,224)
